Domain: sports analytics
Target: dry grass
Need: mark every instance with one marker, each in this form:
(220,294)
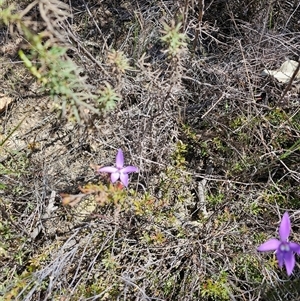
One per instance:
(216,143)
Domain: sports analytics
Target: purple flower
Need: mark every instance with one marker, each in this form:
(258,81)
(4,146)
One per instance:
(284,250)
(119,172)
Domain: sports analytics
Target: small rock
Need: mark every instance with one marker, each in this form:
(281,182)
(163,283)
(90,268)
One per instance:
(5,101)
(285,72)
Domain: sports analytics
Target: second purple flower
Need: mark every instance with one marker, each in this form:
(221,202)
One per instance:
(284,250)
(119,172)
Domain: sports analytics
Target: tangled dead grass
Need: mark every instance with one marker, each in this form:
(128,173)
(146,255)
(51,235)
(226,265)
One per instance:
(216,144)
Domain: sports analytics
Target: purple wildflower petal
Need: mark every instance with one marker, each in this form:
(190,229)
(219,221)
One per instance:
(270,245)
(289,260)
(285,227)
(295,247)
(129,169)
(280,258)
(120,159)
(124,179)
(114,177)
(109,169)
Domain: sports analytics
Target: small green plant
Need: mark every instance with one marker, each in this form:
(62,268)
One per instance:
(58,75)
(255,208)
(109,262)
(172,180)
(215,199)
(294,148)
(241,166)
(250,267)
(180,154)
(144,205)
(175,40)
(118,61)
(275,198)
(216,287)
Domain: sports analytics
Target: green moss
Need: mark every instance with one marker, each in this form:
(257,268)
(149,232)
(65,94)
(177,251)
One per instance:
(216,287)
(255,208)
(174,180)
(216,199)
(248,267)
(237,122)
(179,155)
